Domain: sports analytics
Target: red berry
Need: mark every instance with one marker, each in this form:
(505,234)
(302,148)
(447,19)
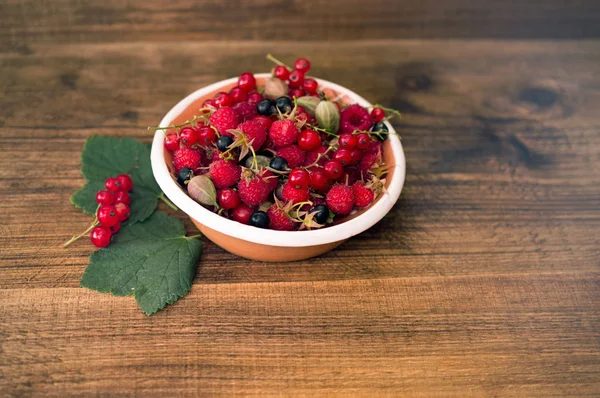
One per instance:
(112,184)
(296,79)
(283,133)
(293,154)
(223,99)
(254,191)
(115,228)
(367,161)
(355,156)
(188,136)
(347,141)
(295,195)
(229,199)
(254,98)
(264,121)
(245,111)
(206,136)
(247,82)
(319,181)
(340,199)
(242,214)
(333,169)
(122,211)
(296,93)
(107,216)
(224,119)
(208,103)
(299,179)
(186,157)
(310,86)
(100,236)
(224,174)
(309,140)
(254,132)
(125,183)
(238,94)
(377,115)
(279,220)
(354,118)
(281,72)
(172,142)
(343,156)
(105,198)
(375,147)
(302,64)
(363,196)
(363,141)
(271,178)
(122,197)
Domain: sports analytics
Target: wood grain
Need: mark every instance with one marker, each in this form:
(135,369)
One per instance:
(482,281)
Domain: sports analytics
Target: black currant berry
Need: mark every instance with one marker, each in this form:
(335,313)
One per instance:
(265,107)
(381,129)
(278,163)
(259,219)
(284,104)
(223,143)
(184,175)
(322,214)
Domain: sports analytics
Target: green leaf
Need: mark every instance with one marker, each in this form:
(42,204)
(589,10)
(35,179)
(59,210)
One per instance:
(105,157)
(152,260)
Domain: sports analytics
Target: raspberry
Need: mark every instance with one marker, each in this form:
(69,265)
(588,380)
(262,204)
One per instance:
(291,194)
(340,199)
(186,157)
(293,154)
(255,190)
(354,117)
(224,174)
(254,133)
(283,133)
(279,219)
(264,121)
(245,111)
(363,196)
(224,119)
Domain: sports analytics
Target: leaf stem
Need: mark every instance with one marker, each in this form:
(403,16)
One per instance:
(167,201)
(194,236)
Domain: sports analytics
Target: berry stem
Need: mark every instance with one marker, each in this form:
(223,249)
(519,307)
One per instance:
(87,231)
(319,156)
(278,62)
(186,123)
(322,130)
(167,201)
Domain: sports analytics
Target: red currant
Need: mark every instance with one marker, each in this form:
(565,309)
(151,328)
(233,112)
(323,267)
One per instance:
(115,228)
(125,183)
(105,198)
(172,142)
(333,169)
(347,141)
(122,197)
(343,156)
(309,140)
(310,86)
(363,141)
(299,179)
(100,236)
(296,79)
(247,82)
(208,103)
(254,98)
(319,181)
(223,99)
(112,184)
(242,214)
(228,198)
(107,216)
(206,136)
(377,115)
(296,93)
(355,156)
(238,95)
(281,72)
(188,136)
(122,211)
(302,64)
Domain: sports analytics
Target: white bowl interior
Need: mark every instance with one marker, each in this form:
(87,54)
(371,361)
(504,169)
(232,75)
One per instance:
(232,228)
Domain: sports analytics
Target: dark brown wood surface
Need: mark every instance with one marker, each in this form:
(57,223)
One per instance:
(484,280)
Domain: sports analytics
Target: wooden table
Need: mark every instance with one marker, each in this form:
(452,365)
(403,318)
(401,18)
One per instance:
(484,280)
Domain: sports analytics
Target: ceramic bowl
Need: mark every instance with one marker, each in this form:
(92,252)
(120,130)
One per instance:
(264,244)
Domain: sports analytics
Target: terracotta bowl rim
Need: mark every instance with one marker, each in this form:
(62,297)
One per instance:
(248,233)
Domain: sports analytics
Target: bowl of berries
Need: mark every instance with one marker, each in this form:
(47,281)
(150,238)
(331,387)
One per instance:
(279,166)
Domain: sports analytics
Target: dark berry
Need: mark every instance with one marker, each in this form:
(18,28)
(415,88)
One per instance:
(206,135)
(228,198)
(281,72)
(188,136)
(105,198)
(299,179)
(172,142)
(112,184)
(184,176)
(125,182)
(278,163)
(100,236)
(122,197)
(238,94)
(284,104)
(309,140)
(266,107)
(381,129)
(321,215)
(223,143)
(247,82)
(310,86)
(296,79)
(302,64)
(259,219)
(107,216)
(377,115)
(223,99)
